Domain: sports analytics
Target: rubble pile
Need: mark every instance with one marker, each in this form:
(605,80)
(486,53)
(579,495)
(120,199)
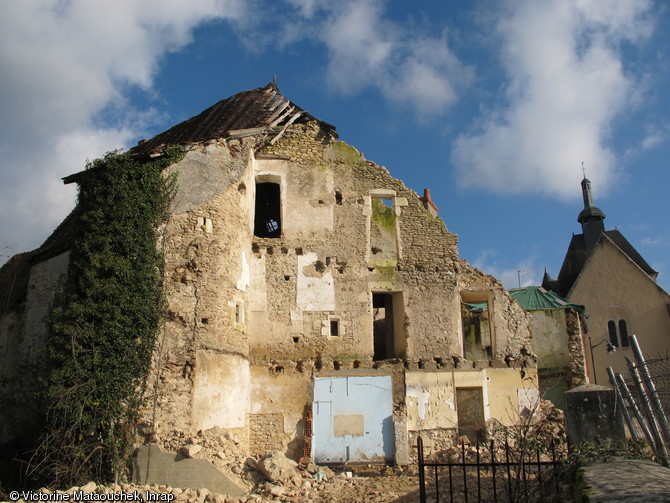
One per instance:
(279,480)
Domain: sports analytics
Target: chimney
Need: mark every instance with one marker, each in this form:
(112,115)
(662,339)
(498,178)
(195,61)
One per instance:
(428,202)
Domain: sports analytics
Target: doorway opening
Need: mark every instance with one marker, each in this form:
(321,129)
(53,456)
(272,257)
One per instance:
(470,409)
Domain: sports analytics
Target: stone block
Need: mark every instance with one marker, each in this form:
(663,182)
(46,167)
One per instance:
(591,414)
(277,467)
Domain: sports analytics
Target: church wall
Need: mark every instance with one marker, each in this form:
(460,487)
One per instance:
(611,286)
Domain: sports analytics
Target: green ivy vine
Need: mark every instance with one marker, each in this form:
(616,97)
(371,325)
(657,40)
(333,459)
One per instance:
(104,322)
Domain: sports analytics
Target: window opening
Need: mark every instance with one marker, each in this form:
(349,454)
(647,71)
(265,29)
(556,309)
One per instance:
(611,329)
(623,333)
(267,219)
(383,238)
(388,334)
(334,328)
(618,337)
(239,314)
(476,325)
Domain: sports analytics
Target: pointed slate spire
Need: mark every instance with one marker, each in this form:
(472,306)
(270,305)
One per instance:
(590,217)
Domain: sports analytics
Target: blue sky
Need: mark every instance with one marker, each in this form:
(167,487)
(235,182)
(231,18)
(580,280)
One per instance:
(492,105)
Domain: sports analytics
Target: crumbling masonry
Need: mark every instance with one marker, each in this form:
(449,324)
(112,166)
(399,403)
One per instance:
(315,304)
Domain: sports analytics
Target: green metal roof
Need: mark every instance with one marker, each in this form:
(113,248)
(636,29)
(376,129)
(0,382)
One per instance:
(532,298)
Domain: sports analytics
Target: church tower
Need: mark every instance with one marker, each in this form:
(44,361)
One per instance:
(590,217)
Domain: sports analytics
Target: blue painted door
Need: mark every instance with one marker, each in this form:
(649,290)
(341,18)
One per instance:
(352,419)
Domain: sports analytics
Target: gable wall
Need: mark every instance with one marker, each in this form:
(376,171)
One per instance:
(212,369)
(611,286)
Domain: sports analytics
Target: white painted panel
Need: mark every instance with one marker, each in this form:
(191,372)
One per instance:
(316,292)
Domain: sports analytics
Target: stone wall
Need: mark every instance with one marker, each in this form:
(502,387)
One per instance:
(575,328)
(23,340)
(206,244)
(262,316)
(362,279)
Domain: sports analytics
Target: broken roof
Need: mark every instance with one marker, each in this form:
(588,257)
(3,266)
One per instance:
(256,111)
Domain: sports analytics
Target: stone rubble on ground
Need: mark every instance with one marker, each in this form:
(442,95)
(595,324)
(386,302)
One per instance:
(307,483)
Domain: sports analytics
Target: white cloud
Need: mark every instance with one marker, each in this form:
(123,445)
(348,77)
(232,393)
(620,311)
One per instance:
(566,86)
(368,50)
(62,63)
(654,136)
(524,273)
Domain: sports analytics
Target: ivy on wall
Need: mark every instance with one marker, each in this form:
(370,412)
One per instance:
(104,322)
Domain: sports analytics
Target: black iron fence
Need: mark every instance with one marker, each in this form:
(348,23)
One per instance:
(494,473)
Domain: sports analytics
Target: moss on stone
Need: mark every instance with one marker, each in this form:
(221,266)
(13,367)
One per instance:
(388,272)
(347,154)
(383,216)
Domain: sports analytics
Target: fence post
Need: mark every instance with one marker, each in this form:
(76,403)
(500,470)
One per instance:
(638,415)
(651,388)
(661,451)
(624,409)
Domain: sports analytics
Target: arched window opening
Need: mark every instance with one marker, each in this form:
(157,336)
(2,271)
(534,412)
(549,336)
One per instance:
(618,333)
(623,333)
(611,328)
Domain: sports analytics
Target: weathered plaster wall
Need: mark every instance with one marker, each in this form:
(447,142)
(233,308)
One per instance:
(432,405)
(431,401)
(207,270)
(557,342)
(259,317)
(221,391)
(278,399)
(550,338)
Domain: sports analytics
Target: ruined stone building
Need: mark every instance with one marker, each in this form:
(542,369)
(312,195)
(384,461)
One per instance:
(605,273)
(558,328)
(316,305)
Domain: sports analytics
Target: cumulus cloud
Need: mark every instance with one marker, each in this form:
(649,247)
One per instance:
(369,50)
(567,83)
(62,63)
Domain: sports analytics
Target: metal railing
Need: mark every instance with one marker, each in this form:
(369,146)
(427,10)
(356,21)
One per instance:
(493,473)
